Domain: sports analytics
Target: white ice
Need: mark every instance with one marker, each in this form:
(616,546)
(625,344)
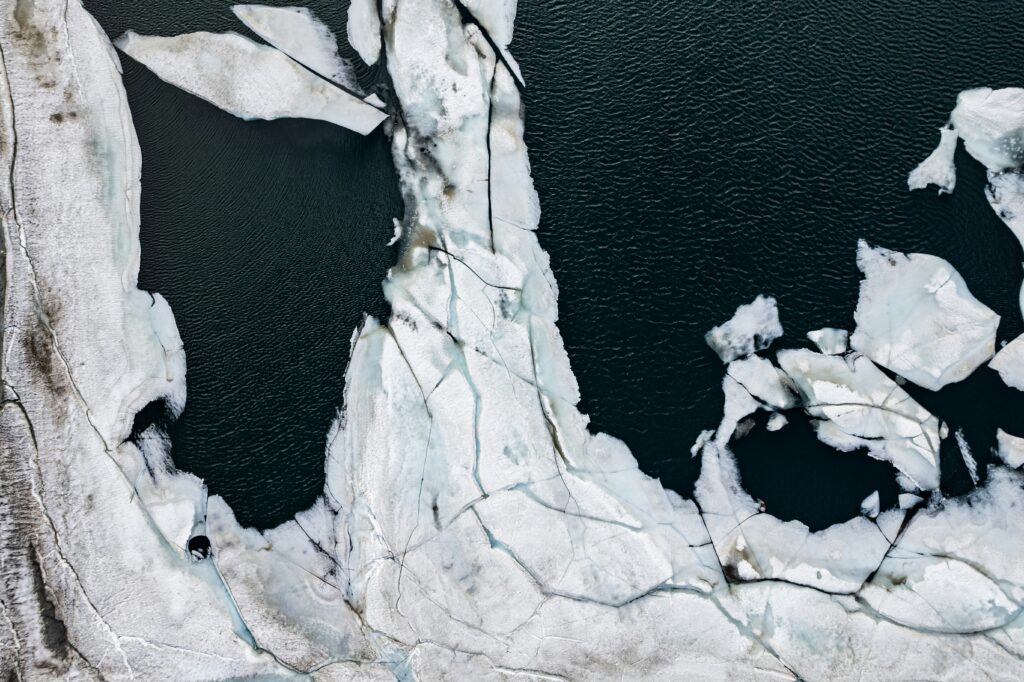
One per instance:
(363,29)
(248,80)
(830,341)
(299,34)
(871,505)
(1010,449)
(938,169)
(991,124)
(1009,362)
(752,328)
(916,317)
(967,455)
(776,421)
(861,407)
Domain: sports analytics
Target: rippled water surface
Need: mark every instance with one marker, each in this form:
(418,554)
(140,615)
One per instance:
(688,157)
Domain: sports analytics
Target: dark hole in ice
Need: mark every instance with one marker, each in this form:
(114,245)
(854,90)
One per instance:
(199,547)
(155,413)
(799,477)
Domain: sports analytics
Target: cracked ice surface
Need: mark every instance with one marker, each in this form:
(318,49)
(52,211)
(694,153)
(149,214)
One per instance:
(752,328)
(471,527)
(249,80)
(860,407)
(299,34)
(916,317)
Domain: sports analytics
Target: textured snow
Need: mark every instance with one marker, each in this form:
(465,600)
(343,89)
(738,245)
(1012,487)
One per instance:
(752,328)
(938,169)
(1010,449)
(363,29)
(471,527)
(861,407)
(829,341)
(248,80)
(967,455)
(299,34)
(1009,362)
(916,317)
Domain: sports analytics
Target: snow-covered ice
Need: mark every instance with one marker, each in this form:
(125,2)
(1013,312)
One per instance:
(991,124)
(752,328)
(776,421)
(1010,449)
(938,169)
(299,34)
(248,80)
(1009,362)
(871,505)
(471,526)
(363,29)
(830,341)
(967,455)
(860,407)
(916,317)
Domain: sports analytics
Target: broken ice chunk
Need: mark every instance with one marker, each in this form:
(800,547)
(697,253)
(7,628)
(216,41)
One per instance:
(916,317)
(1009,362)
(777,421)
(908,500)
(829,341)
(300,35)
(871,505)
(762,380)
(968,456)
(1011,449)
(991,124)
(938,168)
(363,29)
(752,328)
(863,408)
(248,80)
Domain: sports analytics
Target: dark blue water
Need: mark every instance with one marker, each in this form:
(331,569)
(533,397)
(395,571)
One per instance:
(268,240)
(688,157)
(692,155)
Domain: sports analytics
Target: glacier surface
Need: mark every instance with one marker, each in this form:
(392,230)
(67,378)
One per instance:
(471,527)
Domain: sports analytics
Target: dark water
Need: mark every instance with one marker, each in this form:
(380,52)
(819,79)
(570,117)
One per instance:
(267,239)
(688,156)
(692,155)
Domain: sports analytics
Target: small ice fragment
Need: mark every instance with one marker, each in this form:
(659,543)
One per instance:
(871,505)
(249,80)
(916,317)
(398,232)
(703,439)
(763,380)
(1009,362)
(938,168)
(363,29)
(777,421)
(829,340)
(965,452)
(299,34)
(908,500)
(991,124)
(752,328)
(1011,449)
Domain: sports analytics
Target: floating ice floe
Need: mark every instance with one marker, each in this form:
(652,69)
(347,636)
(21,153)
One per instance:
(860,407)
(871,505)
(363,29)
(829,341)
(939,168)
(776,421)
(1009,362)
(299,34)
(1010,449)
(967,455)
(248,80)
(991,124)
(916,317)
(752,327)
